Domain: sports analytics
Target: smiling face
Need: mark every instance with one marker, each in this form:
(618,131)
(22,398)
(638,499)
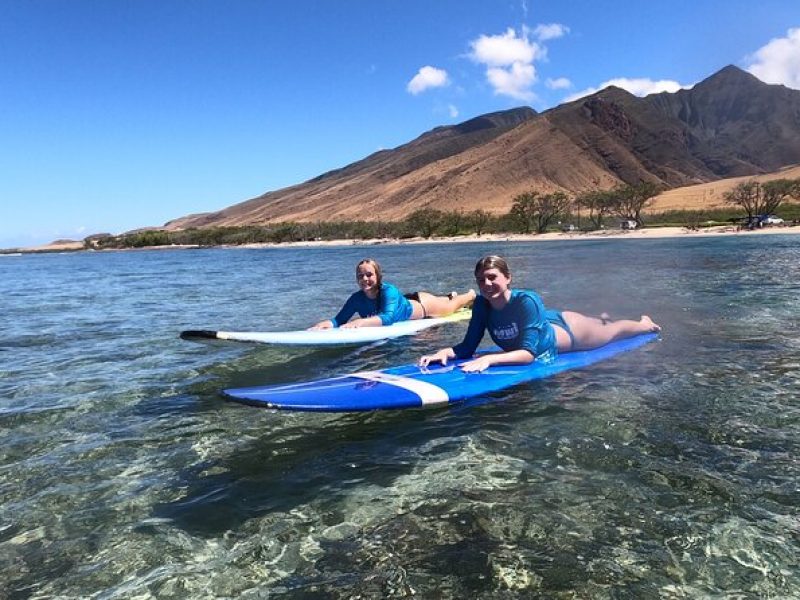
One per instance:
(494,285)
(368,277)
(494,280)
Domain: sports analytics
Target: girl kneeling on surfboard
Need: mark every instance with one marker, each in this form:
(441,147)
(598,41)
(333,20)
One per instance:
(378,303)
(519,323)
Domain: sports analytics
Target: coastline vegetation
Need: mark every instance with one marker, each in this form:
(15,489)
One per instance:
(531,212)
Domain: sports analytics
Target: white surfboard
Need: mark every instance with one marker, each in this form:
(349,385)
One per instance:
(325,337)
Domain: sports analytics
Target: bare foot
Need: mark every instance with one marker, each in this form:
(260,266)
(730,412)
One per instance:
(472,295)
(648,322)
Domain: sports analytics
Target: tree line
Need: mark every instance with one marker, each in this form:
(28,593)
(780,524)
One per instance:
(757,198)
(531,212)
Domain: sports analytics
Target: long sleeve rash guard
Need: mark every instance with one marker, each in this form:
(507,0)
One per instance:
(523,324)
(393,306)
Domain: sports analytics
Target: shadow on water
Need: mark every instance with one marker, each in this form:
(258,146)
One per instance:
(311,456)
(295,464)
(298,458)
(261,365)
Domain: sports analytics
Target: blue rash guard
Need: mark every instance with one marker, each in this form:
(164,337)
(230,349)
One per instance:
(393,306)
(523,324)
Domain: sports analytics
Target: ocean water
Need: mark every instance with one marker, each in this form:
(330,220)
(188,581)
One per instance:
(668,472)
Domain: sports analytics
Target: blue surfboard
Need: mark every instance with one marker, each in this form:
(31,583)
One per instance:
(411,386)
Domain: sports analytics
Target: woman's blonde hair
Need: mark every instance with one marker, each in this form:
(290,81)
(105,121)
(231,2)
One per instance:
(493,262)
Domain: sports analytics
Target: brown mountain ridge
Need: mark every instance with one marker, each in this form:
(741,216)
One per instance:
(729,125)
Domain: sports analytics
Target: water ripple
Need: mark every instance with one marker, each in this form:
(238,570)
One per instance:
(669,472)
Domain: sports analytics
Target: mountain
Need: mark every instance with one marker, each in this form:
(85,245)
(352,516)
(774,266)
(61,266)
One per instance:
(728,125)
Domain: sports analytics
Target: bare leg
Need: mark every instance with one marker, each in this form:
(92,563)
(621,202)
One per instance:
(441,306)
(591,332)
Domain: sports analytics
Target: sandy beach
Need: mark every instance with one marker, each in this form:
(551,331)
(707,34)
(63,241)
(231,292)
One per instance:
(607,234)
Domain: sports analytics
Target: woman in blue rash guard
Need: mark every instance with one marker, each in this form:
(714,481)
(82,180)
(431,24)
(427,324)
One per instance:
(378,303)
(519,323)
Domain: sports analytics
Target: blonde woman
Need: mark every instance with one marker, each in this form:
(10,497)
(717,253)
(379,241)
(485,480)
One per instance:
(378,303)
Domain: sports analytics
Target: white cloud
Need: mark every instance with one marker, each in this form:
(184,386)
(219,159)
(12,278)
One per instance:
(453,109)
(779,60)
(562,83)
(636,86)
(504,50)
(514,81)
(551,31)
(509,59)
(427,77)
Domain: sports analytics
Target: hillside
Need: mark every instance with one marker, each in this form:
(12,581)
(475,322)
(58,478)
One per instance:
(729,125)
(710,195)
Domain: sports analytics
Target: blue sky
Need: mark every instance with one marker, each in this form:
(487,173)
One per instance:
(118,114)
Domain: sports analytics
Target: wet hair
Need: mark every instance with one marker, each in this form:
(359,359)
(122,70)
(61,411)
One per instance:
(375,265)
(493,262)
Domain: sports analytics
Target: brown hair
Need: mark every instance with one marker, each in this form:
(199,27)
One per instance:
(493,262)
(375,265)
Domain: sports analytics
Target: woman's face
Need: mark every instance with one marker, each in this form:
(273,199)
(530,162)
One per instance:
(367,279)
(492,283)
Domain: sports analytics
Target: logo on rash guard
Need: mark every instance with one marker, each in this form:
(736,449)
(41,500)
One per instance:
(506,333)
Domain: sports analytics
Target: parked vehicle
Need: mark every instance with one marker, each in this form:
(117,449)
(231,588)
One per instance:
(770,220)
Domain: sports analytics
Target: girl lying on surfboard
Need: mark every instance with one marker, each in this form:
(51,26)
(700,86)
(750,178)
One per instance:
(378,303)
(519,323)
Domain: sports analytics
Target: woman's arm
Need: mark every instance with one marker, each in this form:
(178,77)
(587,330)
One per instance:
(348,310)
(512,357)
(390,300)
(365,322)
(481,363)
(475,329)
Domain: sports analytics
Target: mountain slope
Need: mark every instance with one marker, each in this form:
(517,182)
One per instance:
(730,124)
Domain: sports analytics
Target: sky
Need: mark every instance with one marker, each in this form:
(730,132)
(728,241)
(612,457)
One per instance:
(120,114)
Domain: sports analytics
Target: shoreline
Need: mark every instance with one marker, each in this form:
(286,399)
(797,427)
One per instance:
(606,234)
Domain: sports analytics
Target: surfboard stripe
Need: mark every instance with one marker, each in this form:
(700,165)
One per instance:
(428,393)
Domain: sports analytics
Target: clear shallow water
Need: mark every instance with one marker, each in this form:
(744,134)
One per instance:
(671,471)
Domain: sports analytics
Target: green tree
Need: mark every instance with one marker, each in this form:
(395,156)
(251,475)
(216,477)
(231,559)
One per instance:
(452,221)
(478,220)
(523,210)
(629,201)
(747,196)
(424,221)
(600,204)
(778,191)
(532,210)
(756,198)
